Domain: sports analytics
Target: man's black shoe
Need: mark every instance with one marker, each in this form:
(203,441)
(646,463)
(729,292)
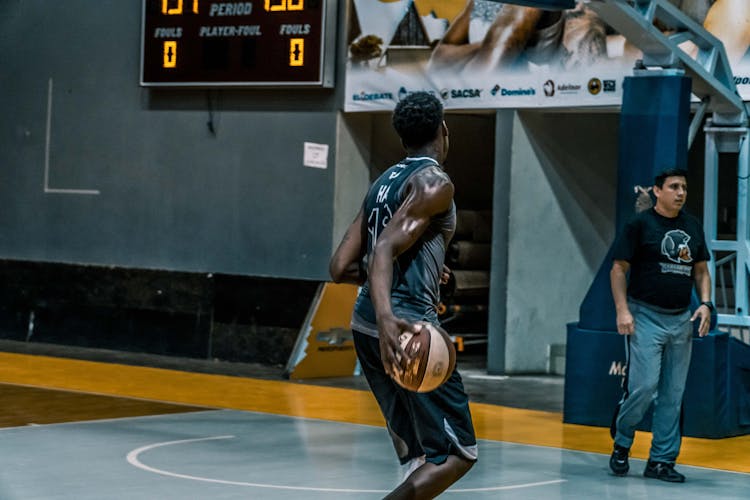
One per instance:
(664,471)
(618,462)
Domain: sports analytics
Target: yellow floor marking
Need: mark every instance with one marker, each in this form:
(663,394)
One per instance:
(342,405)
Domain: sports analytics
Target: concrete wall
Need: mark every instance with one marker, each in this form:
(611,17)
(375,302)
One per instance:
(97,170)
(553,179)
(353,148)
(561,223)
(154,187)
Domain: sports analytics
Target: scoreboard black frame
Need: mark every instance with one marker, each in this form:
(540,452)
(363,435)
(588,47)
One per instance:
(258,43)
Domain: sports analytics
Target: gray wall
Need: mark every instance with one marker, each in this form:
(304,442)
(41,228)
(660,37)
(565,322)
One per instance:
(561,223)
(354,146)
(368,145)
(152,187)
(554,178)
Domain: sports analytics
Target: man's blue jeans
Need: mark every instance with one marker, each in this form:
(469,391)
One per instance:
(658,361)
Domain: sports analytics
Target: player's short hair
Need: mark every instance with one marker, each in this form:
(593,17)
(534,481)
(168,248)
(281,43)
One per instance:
(417,118)
(669,172)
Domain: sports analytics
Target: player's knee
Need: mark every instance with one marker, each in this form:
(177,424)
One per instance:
(465,465)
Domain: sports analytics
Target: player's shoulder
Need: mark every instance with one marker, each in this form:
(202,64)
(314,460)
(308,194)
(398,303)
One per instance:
(432,189)
(431,177)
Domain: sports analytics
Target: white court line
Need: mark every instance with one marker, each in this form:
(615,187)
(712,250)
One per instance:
(133,460)
(480,376)
(48,189)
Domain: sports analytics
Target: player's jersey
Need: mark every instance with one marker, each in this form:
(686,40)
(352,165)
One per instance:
(415,291)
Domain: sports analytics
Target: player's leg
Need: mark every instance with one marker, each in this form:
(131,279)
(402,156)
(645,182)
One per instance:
(389,397)
(432,479)
(442,421)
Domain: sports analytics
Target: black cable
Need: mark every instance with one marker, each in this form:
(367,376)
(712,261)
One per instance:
(210,123)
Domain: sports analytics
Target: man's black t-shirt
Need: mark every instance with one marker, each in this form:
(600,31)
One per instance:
(662,252)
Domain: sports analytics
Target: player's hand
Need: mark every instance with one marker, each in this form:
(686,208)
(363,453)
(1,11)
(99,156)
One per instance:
(391,353)
(625,323)
(445,276)
(705,315)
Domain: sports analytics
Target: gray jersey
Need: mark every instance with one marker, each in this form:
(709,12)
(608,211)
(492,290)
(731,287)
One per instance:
(415,291)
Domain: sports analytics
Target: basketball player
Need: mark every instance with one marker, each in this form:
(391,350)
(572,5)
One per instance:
(396,248)
(488,35)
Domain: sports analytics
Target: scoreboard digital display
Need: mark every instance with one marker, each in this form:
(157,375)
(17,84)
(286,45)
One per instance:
(209,43)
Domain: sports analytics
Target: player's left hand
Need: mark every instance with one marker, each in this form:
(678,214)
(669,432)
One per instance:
(704,313)
(445,275)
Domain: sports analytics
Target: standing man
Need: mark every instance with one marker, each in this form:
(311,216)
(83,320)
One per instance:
(665,251)
(395,249)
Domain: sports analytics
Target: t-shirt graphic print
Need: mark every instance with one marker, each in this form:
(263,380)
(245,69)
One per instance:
(675,247)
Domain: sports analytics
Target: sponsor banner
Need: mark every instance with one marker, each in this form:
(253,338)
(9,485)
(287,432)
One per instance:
(462,54)
(458,92)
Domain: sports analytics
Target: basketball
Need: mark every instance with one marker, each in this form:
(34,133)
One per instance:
(433,358)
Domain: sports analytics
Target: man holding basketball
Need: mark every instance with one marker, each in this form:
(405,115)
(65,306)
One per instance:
(395,249)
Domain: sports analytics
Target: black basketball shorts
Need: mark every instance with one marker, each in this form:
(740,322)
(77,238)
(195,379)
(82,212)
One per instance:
(434,424)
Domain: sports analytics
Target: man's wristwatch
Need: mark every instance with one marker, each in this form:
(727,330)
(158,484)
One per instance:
(708,304)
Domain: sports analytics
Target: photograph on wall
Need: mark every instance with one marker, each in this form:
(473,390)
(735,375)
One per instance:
(487,54)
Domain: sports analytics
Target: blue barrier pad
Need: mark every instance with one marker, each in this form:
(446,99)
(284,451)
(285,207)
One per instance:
(717,395)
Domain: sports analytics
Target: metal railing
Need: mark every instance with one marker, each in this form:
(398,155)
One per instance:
(724,293)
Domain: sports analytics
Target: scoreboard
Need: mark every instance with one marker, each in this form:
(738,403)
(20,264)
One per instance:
(265,43)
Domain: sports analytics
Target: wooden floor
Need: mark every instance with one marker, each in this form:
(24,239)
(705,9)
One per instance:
(40,389)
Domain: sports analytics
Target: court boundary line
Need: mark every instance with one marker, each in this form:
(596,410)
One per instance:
(297,417)
(133,459)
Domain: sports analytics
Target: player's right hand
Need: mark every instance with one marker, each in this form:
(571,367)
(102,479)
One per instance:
(625,323)
(391,353)
(445,276)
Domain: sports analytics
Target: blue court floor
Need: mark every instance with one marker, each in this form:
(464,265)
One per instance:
(228,454)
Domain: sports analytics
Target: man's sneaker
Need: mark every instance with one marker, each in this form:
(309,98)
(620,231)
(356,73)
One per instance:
(618,462)
(664,471)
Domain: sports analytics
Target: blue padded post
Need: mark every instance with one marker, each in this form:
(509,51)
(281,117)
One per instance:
(653,135)
(654,124)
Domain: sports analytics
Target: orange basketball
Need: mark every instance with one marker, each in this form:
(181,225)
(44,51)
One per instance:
(433,358)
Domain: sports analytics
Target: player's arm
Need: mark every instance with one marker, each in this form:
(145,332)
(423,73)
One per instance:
(346,264)
(618,278)
(703,285)
(429,193)
(454,50)
(507,37)
(458,32)
(729,21)
(505,40)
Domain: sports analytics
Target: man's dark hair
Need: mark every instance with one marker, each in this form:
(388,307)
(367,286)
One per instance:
(417,118)
(670,172)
